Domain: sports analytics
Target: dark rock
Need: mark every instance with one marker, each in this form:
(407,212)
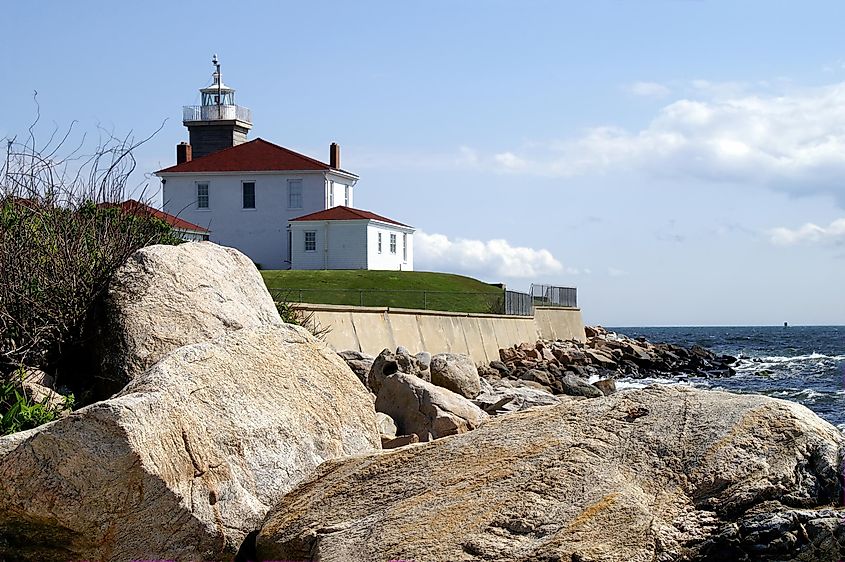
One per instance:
(573,386)
(537,376)
(360,363)
(486,372)
(501,367)
(634,413)
(508,355)
(607,386)
(601,359)
(811,534)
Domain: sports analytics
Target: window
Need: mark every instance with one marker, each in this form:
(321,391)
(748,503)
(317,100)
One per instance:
(331,194)
(202,196)
(249,194)
(294,194)
(404,247)
(379,242)
(310,240)
(392,243)
(346,195)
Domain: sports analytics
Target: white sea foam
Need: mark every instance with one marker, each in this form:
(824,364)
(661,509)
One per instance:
(795,358)
(808,393)
(642,383)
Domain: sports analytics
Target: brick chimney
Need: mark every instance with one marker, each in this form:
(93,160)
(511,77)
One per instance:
(334,156)
(183,153)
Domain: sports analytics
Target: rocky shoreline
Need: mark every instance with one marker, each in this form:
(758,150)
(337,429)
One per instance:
(565,366)
(235,436)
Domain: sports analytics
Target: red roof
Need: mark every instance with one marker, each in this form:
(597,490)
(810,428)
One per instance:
(254,156)
(138,208)
(341,213)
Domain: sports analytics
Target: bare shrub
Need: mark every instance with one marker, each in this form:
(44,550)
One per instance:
(60,243)
(293,314)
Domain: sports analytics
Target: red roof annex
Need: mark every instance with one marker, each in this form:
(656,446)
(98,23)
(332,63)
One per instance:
(254,156)
(137,208)
(341,213)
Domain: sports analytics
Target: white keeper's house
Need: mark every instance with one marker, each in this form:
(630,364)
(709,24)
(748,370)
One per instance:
(283,209)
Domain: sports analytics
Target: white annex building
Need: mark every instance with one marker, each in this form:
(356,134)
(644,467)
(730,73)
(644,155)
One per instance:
(282,209)
(347,238)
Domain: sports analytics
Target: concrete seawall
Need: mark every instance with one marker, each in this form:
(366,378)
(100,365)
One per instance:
(371,329)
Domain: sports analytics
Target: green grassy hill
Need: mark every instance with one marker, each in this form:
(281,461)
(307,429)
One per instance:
(398,289)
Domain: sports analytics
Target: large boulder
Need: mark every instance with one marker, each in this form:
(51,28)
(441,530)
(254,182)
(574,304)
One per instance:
(165,297)
(575,386)
(504,398)
(387,362)
(456,372)
(185,461)
(424,409)
(652,474)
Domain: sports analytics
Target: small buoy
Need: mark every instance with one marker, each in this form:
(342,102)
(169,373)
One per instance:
(786,324)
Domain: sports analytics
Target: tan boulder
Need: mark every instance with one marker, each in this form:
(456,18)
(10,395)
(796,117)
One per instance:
(428,410)
(186,460)
(165,297)
(653,474)
(456,372)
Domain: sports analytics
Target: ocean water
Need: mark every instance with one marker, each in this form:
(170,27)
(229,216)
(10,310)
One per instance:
(805,364)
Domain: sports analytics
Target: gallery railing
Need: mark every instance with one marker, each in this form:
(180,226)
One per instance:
(216,113)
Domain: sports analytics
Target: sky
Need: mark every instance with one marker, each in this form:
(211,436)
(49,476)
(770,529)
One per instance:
(681,162)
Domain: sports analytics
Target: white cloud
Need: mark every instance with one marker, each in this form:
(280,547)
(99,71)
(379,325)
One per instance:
(809,232)
(614,272)
(510,161)
(476,257)
(793,142)
(649,89)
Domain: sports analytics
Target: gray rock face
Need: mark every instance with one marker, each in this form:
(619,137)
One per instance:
(423,360)
(427,410)
(607,386)
(186,460)
(360,363)
(577,481)
(384,365)
(388,363)
(165,297)
(574,386)
(796,535)
(503,398)
(386,425)
(455,372)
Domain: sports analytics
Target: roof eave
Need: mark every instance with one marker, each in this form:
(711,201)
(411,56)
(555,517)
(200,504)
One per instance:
(397,226)
(162,173)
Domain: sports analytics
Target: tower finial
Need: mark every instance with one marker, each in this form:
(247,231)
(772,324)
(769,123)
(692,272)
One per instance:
(219,77)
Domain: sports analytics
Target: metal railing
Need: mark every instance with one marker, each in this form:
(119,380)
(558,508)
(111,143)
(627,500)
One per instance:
(551,295)
(518,304)
(216,113)
(504,302)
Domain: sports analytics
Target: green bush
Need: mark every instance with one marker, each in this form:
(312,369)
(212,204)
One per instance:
(19,411)
(62,237)
(293,315)
(55,262)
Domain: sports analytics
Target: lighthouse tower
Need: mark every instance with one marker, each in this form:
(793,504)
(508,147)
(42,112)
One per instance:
(216,124)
